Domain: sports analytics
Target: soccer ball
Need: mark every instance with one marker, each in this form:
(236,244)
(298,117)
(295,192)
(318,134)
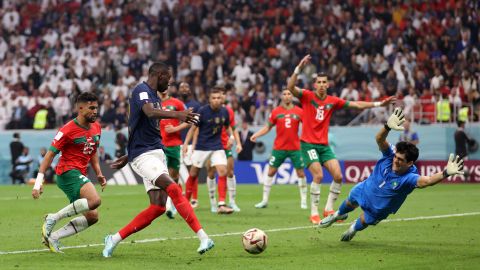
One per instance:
(254,241)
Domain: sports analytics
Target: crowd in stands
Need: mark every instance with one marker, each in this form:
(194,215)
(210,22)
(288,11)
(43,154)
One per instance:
(50,50)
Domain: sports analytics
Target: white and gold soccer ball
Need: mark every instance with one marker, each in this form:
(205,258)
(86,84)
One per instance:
(254,241)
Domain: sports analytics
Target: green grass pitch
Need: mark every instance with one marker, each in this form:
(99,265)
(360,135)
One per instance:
(431,239)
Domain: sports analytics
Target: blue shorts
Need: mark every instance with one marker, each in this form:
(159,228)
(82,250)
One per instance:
(356,197)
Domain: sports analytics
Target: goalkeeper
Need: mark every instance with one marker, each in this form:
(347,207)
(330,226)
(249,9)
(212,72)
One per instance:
(393,178)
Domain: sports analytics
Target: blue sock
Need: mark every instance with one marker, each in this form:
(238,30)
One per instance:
(343,209)
(359,225)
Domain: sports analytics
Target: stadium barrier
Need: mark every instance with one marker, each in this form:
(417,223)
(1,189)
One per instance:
(254,172)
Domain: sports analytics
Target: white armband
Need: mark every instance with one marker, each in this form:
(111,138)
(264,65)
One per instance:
(38,181)
(377,104)
(232,137)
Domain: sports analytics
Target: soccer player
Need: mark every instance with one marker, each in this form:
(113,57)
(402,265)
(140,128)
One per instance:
(147,159)
(393,178)
(286,118)
(227,142)
(317,108)
(213,117)
(170,131)
(187,98)
(78,141)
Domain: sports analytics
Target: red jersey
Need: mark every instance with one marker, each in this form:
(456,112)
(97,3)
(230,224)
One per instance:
(287,122)
(225,136)
(317,113)
(171,139)
(77,145)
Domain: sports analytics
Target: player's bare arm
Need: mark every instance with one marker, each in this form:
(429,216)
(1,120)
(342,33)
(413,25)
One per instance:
(38,187)
(119,162)
(297,92)
(95,161)
(454,167)
(173,129)
(260,133)
(395,121)
(187,116)
(365,104)
(195,138)
(188,137)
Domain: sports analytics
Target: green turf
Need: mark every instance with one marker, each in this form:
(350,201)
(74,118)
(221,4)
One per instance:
(446,243)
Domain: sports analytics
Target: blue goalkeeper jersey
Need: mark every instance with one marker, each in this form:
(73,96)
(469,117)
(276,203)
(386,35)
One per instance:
(384,191)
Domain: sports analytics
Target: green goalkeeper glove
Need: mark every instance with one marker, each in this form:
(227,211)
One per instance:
(454,166)
(396,120)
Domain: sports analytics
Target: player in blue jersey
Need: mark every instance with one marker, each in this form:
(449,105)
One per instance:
(208,146)
(147,158)
(393,178)
(186,97)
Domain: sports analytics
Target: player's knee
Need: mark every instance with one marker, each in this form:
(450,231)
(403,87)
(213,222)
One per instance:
(94,203)
(92,217)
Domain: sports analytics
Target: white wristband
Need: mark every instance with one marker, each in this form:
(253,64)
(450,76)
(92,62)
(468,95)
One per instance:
(297,70)
(38,181)
(232,137)
(377,104)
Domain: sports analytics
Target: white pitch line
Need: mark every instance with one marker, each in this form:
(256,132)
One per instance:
(63,196)
(240,233)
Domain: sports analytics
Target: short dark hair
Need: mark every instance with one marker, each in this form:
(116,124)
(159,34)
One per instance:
(460,123)
(409,149)
(86,97)
(322,74)
(217,89)
(157,67)
(16,135)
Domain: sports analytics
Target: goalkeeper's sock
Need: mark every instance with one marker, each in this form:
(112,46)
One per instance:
(183,206)
(335,189)
(232,189)
(211,185)
(267,186)
(75,225)
(358,226)
(142,220)
(344,208)
(315,198)
(189,185)
(222,188)
(77,207)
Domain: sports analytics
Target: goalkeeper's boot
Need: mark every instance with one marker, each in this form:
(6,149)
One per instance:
(48,225)
(327,213)
(109,246)
(261,204)
(349,234)
(52,244)
(332,218)
(315,219)
(205,245)
(234,206)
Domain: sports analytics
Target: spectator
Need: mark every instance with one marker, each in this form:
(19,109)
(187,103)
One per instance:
(120,145)
(19,119)
(247,145)
(16,148)
(22,167)
(462,141)
(49,172)
(409,135)
(103,156)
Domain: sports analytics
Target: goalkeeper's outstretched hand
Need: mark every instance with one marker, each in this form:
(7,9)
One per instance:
(454,166)
(396,120)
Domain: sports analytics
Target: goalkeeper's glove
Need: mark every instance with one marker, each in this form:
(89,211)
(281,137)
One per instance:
(396,120)
(454,166)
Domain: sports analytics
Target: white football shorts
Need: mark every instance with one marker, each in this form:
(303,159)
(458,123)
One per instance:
(150,166)
(217,157)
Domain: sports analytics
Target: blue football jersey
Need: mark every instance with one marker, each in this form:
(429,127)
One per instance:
(144,132)
(195,105)
(384,191)
(210,128)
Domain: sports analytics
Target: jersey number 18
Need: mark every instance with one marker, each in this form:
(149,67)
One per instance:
(320,114)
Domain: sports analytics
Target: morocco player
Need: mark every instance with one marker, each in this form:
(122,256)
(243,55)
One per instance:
(317,108)
(227,142)
(213,117)
(392,180)
(78,141)
(170,131)
(286,118)
(147,158)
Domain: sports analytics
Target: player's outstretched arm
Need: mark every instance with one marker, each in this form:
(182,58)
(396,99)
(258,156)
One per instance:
(395,121)
(365,104)
(119,162)
(297,92)
(38,187)
(188,138)
(187,116)
(454,166)
(260,133)
(172,129)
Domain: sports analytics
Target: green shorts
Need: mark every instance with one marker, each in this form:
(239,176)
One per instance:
(228,153)
(173,156)
(316,153)
(279,156)
(70,182)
